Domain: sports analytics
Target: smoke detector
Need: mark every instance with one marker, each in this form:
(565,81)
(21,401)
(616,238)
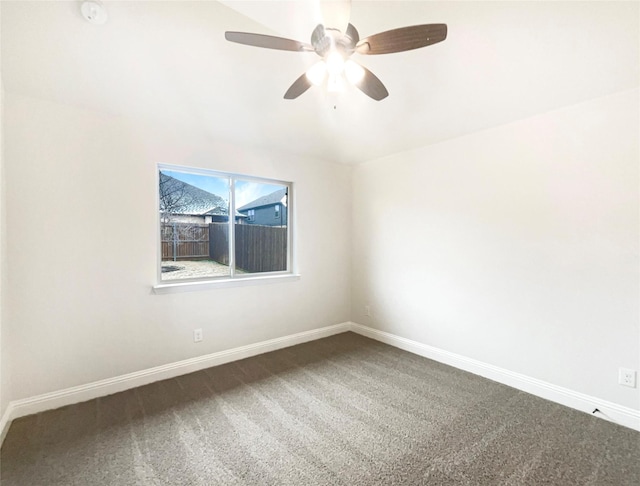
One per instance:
(93,11)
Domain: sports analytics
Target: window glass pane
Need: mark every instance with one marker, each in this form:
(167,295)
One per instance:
(194,229)
(261,228)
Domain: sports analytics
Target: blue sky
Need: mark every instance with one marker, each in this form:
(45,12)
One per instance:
(246,191)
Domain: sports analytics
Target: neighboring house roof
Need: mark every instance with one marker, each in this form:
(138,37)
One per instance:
(268,200)
(177,197)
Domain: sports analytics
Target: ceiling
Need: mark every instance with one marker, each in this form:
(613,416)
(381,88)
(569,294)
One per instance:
(168,62)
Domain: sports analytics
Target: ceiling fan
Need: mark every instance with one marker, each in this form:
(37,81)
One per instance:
(336,44)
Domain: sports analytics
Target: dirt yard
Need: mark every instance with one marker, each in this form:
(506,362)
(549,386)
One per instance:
(194,269)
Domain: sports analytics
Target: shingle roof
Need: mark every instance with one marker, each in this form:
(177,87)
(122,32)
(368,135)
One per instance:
(268,200)
(177,197)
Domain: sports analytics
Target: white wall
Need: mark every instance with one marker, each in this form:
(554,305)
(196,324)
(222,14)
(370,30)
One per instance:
(4,348)
(516,246)
(82,249)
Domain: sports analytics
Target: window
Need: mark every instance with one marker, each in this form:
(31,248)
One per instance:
(201,241)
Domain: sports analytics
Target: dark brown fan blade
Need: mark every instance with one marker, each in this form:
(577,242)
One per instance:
(372,86)
(267,41)
(403,39)
(352,34)
(298,87)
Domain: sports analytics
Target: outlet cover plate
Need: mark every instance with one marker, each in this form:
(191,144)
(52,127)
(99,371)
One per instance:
(197,335)
(627,377)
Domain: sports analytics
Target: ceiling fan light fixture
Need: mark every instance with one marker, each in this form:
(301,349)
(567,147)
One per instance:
(335,63)
(334,41)
(316,73)
(353,71)
(335,83)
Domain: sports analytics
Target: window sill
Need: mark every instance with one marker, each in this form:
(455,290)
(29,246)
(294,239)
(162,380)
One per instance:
(171,288)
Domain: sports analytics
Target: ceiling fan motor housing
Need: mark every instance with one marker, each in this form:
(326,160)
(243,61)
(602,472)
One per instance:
(324,39)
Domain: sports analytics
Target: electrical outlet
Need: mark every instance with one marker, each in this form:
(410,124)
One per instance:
(627,377)
(367,311)
(197,335)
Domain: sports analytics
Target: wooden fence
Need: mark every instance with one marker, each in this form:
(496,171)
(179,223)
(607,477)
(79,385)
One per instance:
(258,248)
(261,248)
(219,242)
(185,241)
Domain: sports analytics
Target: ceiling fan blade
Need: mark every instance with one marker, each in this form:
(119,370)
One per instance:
(372,86)
(403,39)
(335,14)
(267,41)
(298,87)
(352,34)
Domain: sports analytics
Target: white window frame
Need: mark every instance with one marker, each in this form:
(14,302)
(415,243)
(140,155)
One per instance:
(233,279)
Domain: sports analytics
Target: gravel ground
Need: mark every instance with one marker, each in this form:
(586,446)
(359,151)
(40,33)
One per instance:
(195,269)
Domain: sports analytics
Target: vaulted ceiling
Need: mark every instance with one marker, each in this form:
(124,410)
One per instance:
(169,63)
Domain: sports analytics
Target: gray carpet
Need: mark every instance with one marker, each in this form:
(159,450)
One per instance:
(340,411)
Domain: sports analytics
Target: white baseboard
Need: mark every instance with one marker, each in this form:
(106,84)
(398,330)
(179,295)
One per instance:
(5,421)
(585,403)
(579,401)
(89,391)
